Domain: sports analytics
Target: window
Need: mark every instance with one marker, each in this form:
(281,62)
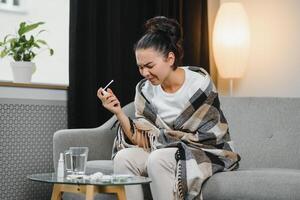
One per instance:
(12,5)
(49,69)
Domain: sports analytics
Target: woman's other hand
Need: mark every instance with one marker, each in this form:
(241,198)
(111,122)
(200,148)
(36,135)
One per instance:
(141,139)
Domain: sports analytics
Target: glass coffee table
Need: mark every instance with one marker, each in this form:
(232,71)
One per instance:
(87,186)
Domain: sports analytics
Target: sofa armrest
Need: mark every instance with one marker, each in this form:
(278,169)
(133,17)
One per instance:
(99,141)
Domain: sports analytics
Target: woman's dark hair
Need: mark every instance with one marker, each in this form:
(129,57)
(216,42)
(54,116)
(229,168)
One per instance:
(163,35)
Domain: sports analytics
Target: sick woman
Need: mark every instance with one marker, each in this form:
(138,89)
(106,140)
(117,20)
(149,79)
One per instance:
(179,136)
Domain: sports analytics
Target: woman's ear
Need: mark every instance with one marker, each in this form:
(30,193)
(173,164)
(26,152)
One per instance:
(171,58)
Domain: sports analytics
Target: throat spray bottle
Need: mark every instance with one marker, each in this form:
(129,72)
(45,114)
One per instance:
(60,167)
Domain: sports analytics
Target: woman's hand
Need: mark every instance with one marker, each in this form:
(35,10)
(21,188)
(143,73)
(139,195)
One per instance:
(141,139)
(109,100)
(111,103)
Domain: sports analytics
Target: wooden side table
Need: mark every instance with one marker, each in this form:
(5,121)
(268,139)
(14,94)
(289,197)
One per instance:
(88,190)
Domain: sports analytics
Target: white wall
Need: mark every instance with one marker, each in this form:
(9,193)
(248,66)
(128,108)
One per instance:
(274,62)
(50,69)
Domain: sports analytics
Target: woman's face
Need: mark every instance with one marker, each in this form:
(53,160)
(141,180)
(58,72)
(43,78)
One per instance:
(153,65)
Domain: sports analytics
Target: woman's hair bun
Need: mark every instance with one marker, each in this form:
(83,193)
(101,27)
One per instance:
(164,25)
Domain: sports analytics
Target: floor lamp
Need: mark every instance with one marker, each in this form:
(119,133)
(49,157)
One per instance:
(231,41)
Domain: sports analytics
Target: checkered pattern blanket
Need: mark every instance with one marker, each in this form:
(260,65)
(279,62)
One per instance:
(200,133)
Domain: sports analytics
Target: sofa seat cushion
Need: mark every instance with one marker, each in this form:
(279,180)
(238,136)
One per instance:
(104,166)
(263,183)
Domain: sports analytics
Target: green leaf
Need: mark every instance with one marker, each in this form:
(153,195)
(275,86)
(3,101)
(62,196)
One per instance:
(12,40)
(27,28)
(27,57)
(21,28)
(22,24)
(5,38)
(3,53)
(42,42)
(31,39)
(51,52)
(36,45)
(22,39)
(32,55)
(17,57)
(13,51)
(40,32)
(21,50)
(30,42)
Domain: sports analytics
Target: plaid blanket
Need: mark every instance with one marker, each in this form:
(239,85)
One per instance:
(200,133)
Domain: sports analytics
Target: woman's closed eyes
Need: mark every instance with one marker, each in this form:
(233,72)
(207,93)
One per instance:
(148,65)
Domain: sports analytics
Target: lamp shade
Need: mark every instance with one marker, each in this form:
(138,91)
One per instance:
(231,40)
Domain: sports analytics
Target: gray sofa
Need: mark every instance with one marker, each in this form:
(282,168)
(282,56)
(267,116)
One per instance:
(266,132)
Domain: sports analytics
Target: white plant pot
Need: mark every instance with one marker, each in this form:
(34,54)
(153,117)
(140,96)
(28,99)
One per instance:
(22,71)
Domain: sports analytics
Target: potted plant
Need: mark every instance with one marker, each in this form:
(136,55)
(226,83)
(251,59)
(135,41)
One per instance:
(23,49)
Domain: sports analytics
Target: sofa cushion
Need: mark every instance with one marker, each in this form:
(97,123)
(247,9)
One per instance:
(265,130)
(104,166)
(264,183)
(255,183)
